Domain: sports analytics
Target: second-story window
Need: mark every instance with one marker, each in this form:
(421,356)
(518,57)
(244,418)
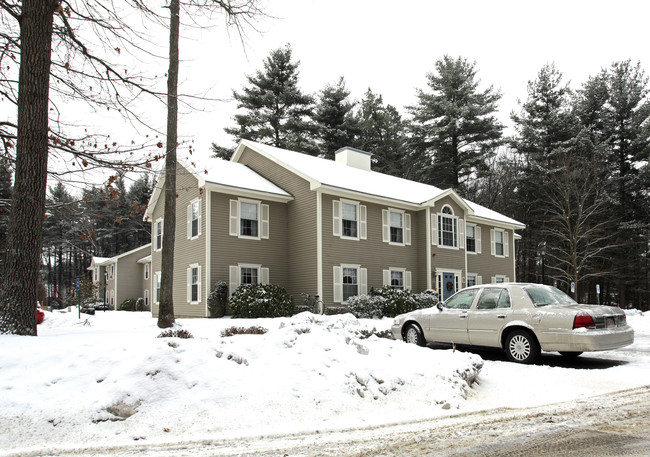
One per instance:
(249,219)
(447,228)
(158,229)
(396,227)
(349,220)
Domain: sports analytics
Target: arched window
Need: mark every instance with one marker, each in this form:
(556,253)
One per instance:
(447,227)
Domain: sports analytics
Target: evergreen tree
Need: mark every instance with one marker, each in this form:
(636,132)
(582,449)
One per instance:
(614,107)
(455,129)
(544,126)
(276,112)
(336,125)
(382,131)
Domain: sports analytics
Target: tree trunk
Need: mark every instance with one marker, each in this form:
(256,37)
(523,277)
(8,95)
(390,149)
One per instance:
(18,293)
(166,308)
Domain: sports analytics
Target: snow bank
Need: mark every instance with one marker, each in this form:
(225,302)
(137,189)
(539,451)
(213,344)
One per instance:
(108,380)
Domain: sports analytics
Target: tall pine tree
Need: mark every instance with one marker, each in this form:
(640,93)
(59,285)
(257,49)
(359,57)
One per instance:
(336,125)
(276,112)
(455,129)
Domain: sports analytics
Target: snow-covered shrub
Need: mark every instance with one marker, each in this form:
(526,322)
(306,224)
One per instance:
(260,300)
(367,306)
(139,304)
(178,333)
(253,330)
(127,305)
(218,299)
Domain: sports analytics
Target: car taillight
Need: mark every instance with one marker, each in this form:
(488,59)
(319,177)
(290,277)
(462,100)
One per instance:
(583,320)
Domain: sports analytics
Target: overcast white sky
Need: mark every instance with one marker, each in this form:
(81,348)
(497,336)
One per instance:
(390,46)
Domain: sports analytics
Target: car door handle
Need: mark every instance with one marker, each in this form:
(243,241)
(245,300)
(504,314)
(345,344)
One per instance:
(501,316)
(463,315)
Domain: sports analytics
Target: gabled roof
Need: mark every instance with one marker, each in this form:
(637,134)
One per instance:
(330,175)
(225,176)
(98,262)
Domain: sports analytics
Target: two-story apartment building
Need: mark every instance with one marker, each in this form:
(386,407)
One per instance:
(317,226)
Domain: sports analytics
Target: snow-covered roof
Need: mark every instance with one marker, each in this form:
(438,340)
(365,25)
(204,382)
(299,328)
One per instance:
(232,174)
(145,259)
(98,261)
(331,174)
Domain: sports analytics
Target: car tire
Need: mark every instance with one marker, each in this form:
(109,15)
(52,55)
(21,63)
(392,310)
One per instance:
(413,335)
(570,355)
(522,347)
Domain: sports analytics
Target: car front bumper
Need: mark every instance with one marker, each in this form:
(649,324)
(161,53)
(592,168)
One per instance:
(583,340)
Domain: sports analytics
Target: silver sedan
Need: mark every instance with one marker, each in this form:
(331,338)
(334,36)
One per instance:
(522,319)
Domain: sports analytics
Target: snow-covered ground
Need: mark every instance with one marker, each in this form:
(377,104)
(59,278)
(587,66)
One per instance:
(108,380)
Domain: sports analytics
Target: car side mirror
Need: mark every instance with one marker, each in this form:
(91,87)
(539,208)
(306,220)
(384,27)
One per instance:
(439,306)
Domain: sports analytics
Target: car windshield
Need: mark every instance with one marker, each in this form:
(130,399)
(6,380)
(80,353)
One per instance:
(547,295)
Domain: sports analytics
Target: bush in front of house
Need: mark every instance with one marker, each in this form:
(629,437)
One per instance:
(218,299)
(127,305)
(389,302)
(260,300)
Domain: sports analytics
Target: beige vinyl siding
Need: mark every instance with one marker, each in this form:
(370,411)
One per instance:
(299,225)
(372,253)
(227,250)
(487,265)
(419,241)
(128,269)
(447,257)
(186,252)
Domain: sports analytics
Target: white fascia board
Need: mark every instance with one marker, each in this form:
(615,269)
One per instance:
(144,246)
(370,198)
(495,223)
(457,198)
(243,192)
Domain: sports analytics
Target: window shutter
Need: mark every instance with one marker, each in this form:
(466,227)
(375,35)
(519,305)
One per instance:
(199,217)
(336,221)
(505,244)
(198,285)
(338,285)
(264,273)
(234,218)
(493,279)
(234,278)
(492,243)
(265,221)
(407,229)
(507,279)
(363,279)
(461,234)
(477,236)
(386,275)
(479,279)
(189,221)
(434,229)
(189,284)
(385,228)
(363,226)
(407,280)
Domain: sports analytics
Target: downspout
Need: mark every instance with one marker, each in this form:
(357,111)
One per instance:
(319,243)
(428,243)
(208,239)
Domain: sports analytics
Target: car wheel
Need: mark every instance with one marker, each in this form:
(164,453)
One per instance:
(413,335)
(570,355)
(522,347)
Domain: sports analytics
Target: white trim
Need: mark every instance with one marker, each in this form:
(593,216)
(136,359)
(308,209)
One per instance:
(263,211)
(386,227)
(147,271)
(190,284)
(190,214)
(457,278)
(505,243)
(455,227)
(156,287)
(157,233)
(428,244)
(319,243)
(208,244)
(337,219)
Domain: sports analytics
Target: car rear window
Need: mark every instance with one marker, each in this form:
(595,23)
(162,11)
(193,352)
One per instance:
(547,295)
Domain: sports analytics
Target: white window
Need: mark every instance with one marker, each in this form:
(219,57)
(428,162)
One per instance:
(194,219)
(447,228)
(349,220)
(243,274)
(499,243)
(96,274)
(498,279)
(111,270)
(396,227)
(146,271)
(157,287)
(194,283)
(473,279)
(146,298)
(397,278)
(112,295)
(473,239)
(349,280)
(249,219)
(158,234)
